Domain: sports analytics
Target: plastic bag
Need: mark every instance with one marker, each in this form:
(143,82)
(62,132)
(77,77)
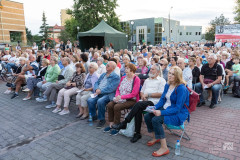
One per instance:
(129,131)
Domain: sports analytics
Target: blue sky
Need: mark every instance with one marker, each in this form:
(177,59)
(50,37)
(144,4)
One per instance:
(188,12)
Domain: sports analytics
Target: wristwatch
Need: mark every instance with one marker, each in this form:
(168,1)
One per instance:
(149,95)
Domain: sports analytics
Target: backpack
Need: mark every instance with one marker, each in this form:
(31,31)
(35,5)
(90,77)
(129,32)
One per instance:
(236,89)
(193,99)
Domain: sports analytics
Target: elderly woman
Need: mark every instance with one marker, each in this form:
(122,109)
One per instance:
(72,86)
(101,67)
(51,76)
(126,60)
(170,109)
(195,70)
(19,70)
(142,66)
(81,99)
(32,82)
(126,96)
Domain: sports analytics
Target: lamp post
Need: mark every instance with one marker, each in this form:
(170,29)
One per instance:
(169,25)
(132,23)
(77,31)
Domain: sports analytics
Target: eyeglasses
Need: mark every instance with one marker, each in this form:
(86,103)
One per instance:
(161,64)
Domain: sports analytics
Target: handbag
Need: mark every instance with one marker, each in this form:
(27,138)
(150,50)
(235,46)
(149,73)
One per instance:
(68,87)
(207,81)
(60,77)
(129,131)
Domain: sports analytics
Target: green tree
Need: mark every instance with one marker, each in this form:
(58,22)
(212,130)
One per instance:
(88,13)
(44,28)
(29,35)
(64,36)
(237,11)
(221,20)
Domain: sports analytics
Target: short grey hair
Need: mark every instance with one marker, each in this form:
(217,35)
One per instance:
(181,59)
(94,65)
(67,59)
(213,55)
(100,59)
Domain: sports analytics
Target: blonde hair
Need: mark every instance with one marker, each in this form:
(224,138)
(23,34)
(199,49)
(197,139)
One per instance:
(46,61)
(178,74)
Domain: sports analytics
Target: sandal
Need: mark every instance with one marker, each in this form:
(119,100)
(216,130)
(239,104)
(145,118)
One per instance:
(152,143)
(159,155)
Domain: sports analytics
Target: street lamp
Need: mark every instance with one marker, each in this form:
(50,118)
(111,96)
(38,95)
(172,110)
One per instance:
(132,23)
(169,25)
(77,31)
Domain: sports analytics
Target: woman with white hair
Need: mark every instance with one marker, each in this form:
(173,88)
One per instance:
(82,97)
(101,67)
(126,60)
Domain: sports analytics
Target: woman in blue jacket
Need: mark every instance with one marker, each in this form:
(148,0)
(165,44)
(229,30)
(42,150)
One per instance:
(169,110)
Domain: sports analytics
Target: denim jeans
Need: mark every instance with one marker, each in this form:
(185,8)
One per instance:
(101,101)
(10,66)
(215,92)
(154,123)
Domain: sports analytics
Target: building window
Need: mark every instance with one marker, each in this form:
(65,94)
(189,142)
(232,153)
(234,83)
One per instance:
(187,33)
(190,33)
(171,30)
(149,30)
(199,33)
(134,31)
(180,33)
(158,33)
(141,35)
(196,33)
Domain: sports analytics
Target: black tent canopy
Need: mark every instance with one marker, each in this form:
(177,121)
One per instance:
(102,35)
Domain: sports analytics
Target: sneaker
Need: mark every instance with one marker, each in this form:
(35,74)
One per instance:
(100,124)
(56,110)
(63,112)
(41,99)
(114,132)
(7,92)
(26,90)
(50,106)
(226,87)
(14,96)
(27,98)
(107,129)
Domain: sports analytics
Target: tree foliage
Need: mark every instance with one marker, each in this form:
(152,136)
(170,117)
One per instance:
(237,11)
(44,28)
(64,36)
(29,35)
(221,20)
(88,13)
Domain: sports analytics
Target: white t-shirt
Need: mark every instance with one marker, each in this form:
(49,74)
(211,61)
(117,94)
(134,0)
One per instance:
(153,86)
(12,59)
(6,56)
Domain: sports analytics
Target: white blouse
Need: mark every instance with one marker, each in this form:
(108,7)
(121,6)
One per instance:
(168,101)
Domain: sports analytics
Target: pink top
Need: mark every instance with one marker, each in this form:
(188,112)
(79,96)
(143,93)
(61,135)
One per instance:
(135,91)
(144,69)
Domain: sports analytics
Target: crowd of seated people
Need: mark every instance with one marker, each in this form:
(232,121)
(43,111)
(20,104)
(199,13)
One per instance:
(104,79)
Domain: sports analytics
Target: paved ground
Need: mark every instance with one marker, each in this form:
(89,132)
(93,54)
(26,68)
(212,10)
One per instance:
(29,131)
